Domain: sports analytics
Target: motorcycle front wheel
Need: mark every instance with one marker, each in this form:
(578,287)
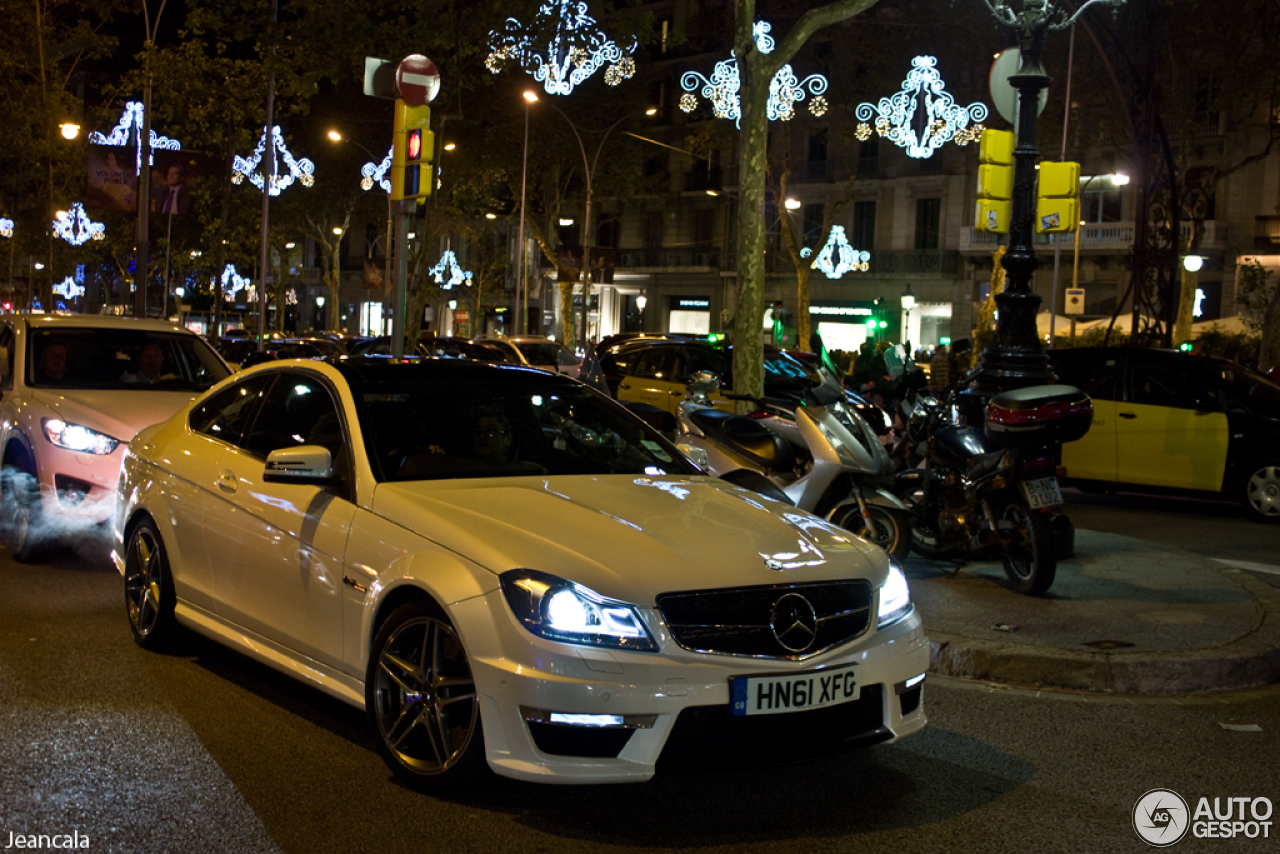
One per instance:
(1030,559)
(890,529)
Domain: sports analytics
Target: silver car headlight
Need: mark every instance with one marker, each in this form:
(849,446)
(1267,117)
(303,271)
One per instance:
(75,437)
(560,610)
(895,598)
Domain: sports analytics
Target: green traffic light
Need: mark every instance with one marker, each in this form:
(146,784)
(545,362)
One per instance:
(1185,346)
(871,324)
(884,324)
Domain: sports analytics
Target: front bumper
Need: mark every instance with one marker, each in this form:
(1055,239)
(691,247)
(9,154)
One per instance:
(78,489)
(670,708)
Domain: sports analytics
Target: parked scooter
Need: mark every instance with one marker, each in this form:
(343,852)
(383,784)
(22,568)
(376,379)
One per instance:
(992,492)
(820,455)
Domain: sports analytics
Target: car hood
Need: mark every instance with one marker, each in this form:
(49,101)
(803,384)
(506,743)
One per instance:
(119,414)
(630,537)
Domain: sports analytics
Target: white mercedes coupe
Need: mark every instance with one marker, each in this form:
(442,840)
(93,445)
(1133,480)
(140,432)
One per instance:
(510,572)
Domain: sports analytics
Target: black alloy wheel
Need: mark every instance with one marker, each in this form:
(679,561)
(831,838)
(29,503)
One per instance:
(421,701)
(149,596)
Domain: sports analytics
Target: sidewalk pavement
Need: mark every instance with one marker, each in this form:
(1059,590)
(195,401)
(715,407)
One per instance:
(1123,616)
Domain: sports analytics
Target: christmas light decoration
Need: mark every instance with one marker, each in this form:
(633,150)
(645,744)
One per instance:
(837,257)
(291,297)
(371,173)
(449,265)
(233,282)
(300,170)
(941,121)
(76,228)
(129,132)
(68,289)
(576,50)
(785,89)
(6,227)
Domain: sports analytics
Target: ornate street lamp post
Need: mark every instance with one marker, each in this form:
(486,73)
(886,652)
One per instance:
(1015,357)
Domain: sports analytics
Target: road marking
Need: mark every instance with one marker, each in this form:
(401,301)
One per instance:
(1249,565)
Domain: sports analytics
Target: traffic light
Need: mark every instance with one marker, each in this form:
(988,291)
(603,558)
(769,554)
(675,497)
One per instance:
(995,181)
(1058,197)
(1185,346)
(413,145)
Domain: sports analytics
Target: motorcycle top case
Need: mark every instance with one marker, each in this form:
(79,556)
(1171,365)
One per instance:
(1037,416)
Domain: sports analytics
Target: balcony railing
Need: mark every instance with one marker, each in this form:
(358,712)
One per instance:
(658,257)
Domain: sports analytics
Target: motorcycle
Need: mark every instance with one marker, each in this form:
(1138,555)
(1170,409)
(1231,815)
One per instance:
(992,492)
(820,455)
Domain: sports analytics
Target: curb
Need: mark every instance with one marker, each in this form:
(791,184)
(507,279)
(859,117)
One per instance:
(1247,662)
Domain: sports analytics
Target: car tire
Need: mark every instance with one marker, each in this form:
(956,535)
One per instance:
(421,701)
(20,511)
(149,597)
(1260,491)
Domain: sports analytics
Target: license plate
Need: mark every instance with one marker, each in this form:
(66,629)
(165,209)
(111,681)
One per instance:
(1042,492)
(796,692)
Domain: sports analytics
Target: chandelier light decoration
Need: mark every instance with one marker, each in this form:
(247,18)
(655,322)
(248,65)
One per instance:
(6,227)
(371,173)
(76,228)
(129,132)
(922,116)
(233,282)
(575,48)
(448,273)
(68,289)
(300,170)
(837,257)
(721,89)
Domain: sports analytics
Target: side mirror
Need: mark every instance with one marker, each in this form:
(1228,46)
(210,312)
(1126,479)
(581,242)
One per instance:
(696,454)
(303,464)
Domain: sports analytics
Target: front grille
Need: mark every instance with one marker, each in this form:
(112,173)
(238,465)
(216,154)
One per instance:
(739,621)
(704,735)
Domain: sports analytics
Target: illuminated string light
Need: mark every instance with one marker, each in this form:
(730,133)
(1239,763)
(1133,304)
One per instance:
(942,120)
(6,227)
(722,87)
(449,267)
(68,289)
(837,257)
(300,170)
(291,297)
(232,283)
(129,132)
(371,173)
(577,49)
(76,228)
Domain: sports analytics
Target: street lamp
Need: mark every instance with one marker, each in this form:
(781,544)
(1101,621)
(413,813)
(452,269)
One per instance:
(70,130)
(1015,358)
(522,287)
(908,303)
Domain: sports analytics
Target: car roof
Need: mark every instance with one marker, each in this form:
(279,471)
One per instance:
(371,371)
(101,321)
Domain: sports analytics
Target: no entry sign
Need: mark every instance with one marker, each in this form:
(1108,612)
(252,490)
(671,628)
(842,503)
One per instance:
(417,80)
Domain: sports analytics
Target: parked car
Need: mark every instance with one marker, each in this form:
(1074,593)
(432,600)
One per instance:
(537,352)
(326,346)
(451,347)
(655,372)
(381,346)
(504,568)
(76,389)
(1173,423)
(275,350)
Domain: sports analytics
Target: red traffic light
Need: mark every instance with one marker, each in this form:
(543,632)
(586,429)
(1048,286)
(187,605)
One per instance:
(413,145)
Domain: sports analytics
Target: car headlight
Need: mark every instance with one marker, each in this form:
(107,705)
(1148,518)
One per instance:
(895,598)
(75,437)
(557,609)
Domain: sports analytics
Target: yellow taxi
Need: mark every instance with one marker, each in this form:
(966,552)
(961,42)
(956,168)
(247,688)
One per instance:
(1177,424)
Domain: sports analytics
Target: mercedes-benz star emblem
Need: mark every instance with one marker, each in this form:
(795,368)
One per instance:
(794,622)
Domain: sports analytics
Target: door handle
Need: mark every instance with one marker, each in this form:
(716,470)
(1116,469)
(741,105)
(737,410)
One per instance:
(227,481)
(1129,415)
(624,385)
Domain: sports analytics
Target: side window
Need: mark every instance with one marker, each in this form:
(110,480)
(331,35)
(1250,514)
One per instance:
(297,410)
(6,356)
(706,360)
(1092,372)
(1167,383)
(227,414)
(658,363)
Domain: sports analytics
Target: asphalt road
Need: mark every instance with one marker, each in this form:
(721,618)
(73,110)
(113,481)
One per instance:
(206,751)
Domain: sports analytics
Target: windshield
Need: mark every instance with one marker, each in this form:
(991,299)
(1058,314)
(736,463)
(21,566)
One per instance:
(547,353)
(97,358)
(428,429)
